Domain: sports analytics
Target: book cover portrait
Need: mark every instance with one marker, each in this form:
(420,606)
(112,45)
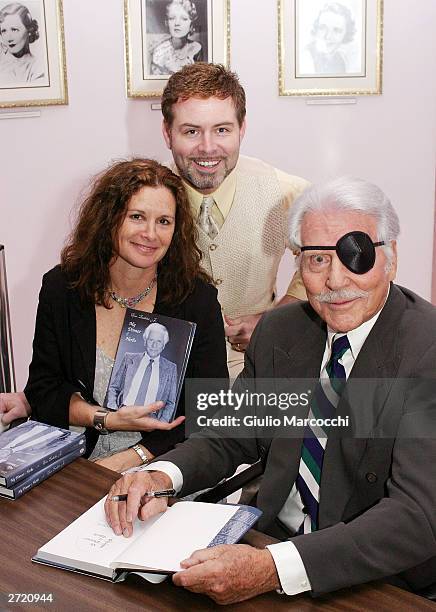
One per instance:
(150,363)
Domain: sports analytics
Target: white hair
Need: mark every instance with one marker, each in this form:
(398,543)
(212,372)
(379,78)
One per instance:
(159,328)
(348,194)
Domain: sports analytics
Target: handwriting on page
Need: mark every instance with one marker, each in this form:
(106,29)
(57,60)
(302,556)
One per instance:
(96,540)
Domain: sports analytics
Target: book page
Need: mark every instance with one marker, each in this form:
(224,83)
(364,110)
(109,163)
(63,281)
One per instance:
(184,528)
(89,543)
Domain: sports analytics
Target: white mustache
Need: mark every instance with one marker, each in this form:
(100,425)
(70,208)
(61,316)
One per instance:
(340,295)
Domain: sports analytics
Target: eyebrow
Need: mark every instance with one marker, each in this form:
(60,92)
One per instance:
(221,123)
(142,212)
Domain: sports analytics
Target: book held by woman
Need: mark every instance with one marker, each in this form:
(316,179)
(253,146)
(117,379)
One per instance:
(150,363)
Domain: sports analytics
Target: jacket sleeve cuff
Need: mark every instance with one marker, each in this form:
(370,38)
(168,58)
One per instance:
(159,442)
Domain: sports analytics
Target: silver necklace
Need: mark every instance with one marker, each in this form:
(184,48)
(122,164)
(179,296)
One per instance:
(132,301)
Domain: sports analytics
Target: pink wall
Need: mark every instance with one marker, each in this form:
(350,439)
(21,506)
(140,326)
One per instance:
(47,161)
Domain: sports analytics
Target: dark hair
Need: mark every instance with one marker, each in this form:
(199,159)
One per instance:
(203,80)
(89,250)
(30,24)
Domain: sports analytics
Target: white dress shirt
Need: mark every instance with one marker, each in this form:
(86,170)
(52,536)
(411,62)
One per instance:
(153,383)
(290,567)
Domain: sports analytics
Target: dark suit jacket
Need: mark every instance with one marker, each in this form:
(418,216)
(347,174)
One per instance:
(166,391)
(64,347)
(378,493)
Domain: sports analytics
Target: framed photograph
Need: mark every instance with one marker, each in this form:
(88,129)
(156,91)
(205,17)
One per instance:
(162,36)
(32,53)
(330,48)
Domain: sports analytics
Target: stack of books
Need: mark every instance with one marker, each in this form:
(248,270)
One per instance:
(32,452)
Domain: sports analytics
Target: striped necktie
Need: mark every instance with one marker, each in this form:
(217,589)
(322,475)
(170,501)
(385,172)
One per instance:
(205,219)
(325,401)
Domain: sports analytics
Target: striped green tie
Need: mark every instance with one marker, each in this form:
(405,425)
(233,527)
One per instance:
(325,401)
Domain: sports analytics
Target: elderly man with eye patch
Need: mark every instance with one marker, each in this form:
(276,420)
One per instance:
(348,509)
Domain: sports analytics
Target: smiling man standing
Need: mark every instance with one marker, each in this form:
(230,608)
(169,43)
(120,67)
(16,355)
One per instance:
(240,203)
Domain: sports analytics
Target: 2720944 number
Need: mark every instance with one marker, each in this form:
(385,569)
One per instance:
(30,597)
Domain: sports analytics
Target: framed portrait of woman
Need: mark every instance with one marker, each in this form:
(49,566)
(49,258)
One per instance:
(162,36)
(330,47)
(32,53)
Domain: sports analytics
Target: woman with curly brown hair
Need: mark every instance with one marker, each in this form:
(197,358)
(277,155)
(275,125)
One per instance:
(133,244)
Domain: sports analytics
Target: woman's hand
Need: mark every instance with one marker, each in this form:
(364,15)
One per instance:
(13,406)
(134,418)
(122,461)
(119,462)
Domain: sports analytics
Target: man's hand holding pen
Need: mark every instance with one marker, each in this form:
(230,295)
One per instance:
(120,515)
(163,493)
(227,573)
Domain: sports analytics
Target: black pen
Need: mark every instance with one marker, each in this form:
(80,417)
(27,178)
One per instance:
(164,493)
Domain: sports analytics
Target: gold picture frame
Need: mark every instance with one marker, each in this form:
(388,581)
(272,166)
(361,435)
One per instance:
(330,48)
(151,56)
(32,59)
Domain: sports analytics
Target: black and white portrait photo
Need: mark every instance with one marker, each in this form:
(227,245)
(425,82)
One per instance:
(146,377)
(150,362)
(330,38)
(162,36)
(23,47)
(176,34)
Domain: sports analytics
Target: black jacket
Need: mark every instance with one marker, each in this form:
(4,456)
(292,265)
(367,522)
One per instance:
(64,348)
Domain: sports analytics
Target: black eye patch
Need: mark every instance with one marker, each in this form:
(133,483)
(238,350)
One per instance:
(355,250)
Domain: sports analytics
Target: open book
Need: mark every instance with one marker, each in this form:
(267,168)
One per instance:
(158,545)
(150,363)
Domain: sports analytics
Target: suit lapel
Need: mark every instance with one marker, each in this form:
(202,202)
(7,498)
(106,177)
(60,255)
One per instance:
(291,361)
(163,376)
(131,369)
(83,325)
(366,393)
(279,476)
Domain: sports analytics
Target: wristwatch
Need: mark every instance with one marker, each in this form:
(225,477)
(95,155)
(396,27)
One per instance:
(100,421)
(138,450)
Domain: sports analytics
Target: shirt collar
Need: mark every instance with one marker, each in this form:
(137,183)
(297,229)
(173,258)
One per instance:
(145,357)
(356,337)
(223,196)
